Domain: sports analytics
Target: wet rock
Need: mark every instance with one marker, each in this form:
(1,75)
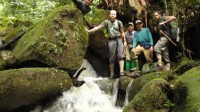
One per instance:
(151,98)
(59,40)
(123,82)
(26,86)
(147,68)
(187,89)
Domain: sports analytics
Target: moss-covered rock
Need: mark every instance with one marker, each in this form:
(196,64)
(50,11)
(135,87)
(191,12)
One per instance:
(59,40)
(187,91)
(2,63)
(25,86)
(140,82)
(106,85)
(124,82)
(152,97)
(186,65)
(8,57)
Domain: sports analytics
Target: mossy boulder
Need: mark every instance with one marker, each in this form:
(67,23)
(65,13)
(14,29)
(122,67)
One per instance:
(187,91)
(59,40)
(140,82)
(124,82)
(2,63)
(185,65)
(98,39)
(106,85)
(27,85)
(8,57)
(152,97)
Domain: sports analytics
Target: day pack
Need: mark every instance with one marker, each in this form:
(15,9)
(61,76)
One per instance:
(172,28)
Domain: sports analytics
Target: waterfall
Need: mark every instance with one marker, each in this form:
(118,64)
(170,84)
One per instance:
(86,98)
(126,97)
(115,91)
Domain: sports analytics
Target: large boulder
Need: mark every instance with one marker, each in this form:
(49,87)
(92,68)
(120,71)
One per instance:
(97,53)
(25,86)
(187,91)
(140,82)
(151,98)
(59,40)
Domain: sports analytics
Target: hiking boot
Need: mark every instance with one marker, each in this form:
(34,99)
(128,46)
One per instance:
(132,69)
(122,74)
(160,68)
(167,67)
(111,76)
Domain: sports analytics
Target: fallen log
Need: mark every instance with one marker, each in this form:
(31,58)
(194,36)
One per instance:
(17,37)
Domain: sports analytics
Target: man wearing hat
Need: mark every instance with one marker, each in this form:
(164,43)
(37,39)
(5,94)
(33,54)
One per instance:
(129,40)
(142,42)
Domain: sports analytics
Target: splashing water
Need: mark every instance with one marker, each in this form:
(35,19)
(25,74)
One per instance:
(87,98)
(126,97)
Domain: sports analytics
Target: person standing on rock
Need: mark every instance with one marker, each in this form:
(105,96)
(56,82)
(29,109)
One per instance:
(116,34)
(142,42)
(83,5)
(161,48)
(129,40)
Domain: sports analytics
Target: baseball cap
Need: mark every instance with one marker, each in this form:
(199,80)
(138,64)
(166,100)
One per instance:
(130,23)
(138,21)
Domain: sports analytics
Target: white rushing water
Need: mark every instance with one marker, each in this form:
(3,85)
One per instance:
(126,97)
(88,97)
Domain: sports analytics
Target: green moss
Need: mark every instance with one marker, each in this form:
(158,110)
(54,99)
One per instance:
(24,86)
(124,82)
(97,16)
(151,97)
(59,40)
(186,65)
(187,89)
(12,34)
(139,83)
(2,63)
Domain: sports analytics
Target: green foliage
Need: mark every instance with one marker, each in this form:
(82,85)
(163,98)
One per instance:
(23,10)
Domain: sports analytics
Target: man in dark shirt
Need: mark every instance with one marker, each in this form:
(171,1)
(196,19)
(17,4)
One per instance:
(83,5)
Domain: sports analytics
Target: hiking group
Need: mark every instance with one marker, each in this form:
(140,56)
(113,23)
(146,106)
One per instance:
(130,44)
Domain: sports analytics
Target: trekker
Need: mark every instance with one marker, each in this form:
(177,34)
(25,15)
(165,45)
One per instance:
(83,5)
(129,40)
(142,42)
(161,48)
(115,44)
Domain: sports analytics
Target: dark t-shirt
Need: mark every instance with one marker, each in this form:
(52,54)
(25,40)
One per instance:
(80,4)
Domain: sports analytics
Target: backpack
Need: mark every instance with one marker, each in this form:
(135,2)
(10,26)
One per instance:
(174,30)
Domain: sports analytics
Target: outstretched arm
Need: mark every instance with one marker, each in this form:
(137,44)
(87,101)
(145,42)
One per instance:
(169,19)
(96,28)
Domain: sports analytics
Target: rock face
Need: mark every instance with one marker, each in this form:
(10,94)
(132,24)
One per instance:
(97,53)
(56,41)
(187,89)
(25,86)
(150,99)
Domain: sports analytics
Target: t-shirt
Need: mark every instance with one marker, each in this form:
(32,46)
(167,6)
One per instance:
(80,4)
(143,35)
(165,27)
(129,37)
(113,27)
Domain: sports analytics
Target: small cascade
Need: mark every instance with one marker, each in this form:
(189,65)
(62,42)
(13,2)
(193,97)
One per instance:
(115,91)
(88,97)
(127,90)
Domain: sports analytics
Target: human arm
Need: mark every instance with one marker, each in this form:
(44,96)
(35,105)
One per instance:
(123,36)
(169,19)
(150,39)
(96,28)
